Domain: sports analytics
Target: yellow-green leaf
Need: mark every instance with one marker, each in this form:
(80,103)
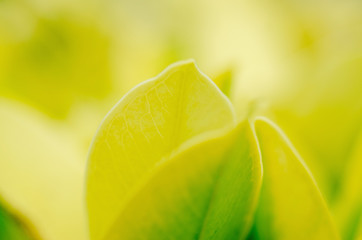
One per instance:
(41,175)
(359,234)
(12,228)
(291,205)
(208,191)
(224,81)
(143,129)
(348,209)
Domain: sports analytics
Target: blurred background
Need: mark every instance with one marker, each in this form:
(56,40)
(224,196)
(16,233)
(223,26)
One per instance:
(65,63)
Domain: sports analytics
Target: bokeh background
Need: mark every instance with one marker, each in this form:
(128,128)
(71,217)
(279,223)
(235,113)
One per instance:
(65,63)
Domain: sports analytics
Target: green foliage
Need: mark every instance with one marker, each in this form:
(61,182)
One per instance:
(143,130)
(180,157)
(11,228)
(291,205)
(168,163)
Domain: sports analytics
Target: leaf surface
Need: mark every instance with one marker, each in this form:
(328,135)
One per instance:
(291,205)
(208,191)
(225,81)
(348,209)
(143,129)
(11,228)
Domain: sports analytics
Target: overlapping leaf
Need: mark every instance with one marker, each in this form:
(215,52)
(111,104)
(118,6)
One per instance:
(208,191)
(143,185)
(144,128)
(291,205)
(324,118)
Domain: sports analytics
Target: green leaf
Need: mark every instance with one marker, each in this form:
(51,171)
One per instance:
(348,209)
(142,130)
(291,205)
(208,191)
(11,228)
(359,234)
(322,120)
(41,175)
